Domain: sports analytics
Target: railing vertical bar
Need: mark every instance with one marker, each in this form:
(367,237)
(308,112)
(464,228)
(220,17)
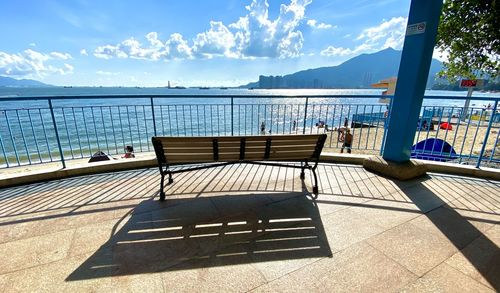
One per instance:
(446,133)
(305,115)
(369,126)
(129,126)
(312,118)
(198,124)
(153,116)
(360,127)
(136,113)
(4,152)
(420,124)
(86,131)
(487,134)
(341,114)
(271,119)
(244,119)
(191,118)
(23,137)
(67,132)
(34,136)
(104,129)
(44,133)
(56,133)
(465,133)
(438,128)
(161,120)
(95,129)
(232,116)
(495,144)
(456,130)
(77,132)
(333,122)
(475,134)
(113,129)
(144,119)
(121,126)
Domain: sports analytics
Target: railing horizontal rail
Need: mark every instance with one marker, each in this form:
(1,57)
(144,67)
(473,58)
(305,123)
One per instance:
(253,96)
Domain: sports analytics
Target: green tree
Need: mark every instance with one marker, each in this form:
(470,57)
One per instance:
(469,31)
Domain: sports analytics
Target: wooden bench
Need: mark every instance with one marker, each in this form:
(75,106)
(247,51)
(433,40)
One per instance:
(225,150)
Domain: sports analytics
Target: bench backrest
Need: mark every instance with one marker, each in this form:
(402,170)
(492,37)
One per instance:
(178,150)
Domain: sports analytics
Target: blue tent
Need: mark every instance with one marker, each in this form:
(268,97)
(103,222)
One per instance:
(433,149)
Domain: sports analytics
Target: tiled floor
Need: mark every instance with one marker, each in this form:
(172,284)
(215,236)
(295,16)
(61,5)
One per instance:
(251,228)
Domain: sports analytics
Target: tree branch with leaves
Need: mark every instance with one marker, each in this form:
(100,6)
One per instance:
(469,34)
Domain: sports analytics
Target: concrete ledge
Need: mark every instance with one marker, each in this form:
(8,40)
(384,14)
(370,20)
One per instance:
(353,159)
(462,170)
(372,163)
(93,168)
(400,171)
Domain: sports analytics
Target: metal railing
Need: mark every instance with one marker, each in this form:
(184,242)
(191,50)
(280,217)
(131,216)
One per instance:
(36,130)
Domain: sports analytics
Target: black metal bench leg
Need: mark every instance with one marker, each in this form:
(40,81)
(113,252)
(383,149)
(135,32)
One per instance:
(315,187)
(162,193)
(302,174)
(170,180)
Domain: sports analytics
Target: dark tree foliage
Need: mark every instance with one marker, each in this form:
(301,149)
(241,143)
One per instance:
(469,30)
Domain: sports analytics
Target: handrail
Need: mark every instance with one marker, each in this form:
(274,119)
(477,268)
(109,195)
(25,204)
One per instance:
(228,96)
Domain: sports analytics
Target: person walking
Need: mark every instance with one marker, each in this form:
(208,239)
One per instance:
(347,141)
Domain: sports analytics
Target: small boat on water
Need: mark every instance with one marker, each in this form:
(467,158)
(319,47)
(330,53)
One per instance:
(204,88)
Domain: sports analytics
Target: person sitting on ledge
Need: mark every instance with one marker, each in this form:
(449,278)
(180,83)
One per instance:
(129,152)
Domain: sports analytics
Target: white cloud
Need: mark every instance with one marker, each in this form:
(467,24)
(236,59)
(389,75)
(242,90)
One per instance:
(108,73)
(253,35)
(389,33)
(314,24)
(178,48)
(84,52)
(59,55)
(32,44)
(30,63)
(216,41)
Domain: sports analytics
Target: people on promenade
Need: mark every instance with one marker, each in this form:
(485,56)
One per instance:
(263,128)
(347,141)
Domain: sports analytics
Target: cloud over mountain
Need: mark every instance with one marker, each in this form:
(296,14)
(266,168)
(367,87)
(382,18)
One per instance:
(388,34)
(33,63)
(253,35)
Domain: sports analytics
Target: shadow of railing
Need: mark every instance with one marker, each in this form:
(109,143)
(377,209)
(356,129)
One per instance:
(460,231)
(195,235)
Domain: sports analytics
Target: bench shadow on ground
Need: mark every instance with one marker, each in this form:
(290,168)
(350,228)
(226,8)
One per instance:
(199,234)
(242,214)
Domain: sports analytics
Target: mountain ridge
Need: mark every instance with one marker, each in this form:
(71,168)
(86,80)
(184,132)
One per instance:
(12,82)
(358,72)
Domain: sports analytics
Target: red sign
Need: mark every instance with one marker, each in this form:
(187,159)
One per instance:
(468,83)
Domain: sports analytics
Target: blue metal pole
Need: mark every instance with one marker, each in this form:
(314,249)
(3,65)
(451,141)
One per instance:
(416,59)
(487,135)
(57,134)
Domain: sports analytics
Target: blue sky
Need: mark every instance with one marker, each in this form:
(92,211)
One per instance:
(189,42)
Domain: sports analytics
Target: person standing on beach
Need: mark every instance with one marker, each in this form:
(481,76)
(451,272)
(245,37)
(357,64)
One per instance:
(347,141)
(263,128)
(346,122)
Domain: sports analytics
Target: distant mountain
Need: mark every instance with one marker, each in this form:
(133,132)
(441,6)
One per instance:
(12,82)
(358,72)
